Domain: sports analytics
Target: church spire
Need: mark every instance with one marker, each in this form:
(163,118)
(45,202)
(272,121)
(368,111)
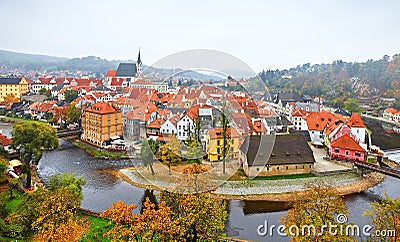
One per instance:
(139,61)
(139,65)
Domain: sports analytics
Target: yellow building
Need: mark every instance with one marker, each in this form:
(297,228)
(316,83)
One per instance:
(214,144)
(101,122)
(13,87)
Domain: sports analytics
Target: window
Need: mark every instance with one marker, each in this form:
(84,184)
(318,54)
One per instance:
(233,141)
(358,154)
(218,142)
(347,152)
(277,168)
(287,168)
(336,150)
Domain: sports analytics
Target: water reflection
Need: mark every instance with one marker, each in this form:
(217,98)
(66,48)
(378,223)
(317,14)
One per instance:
(104,188)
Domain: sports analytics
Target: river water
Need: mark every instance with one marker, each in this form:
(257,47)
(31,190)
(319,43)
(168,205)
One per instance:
(103,188)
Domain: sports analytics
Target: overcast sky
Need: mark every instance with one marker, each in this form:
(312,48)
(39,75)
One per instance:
(263,34)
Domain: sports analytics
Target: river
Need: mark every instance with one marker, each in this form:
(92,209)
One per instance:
(103,188)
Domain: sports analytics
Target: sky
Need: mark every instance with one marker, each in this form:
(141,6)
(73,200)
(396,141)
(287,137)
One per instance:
(264,34)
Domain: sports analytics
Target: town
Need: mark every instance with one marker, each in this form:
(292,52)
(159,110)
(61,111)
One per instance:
(122,109)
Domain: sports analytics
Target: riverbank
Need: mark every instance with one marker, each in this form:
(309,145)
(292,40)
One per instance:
(281,190)
(101,153)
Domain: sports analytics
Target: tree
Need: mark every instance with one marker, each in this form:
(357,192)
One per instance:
(70,231)
(13,184)
(314,210)
(70,95)
(69,182)
(224,119)
(146,153)
(150,225)
(73,114)
(11,98)
(57,208)
(3,168)
(352,105)
(197,216)
(170,152)
(385,215)
(194,154)
(59,116)
(29,138)
(42,91)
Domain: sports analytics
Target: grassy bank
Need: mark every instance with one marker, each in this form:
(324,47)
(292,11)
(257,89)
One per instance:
(96,152)
(281,177)
(98,227)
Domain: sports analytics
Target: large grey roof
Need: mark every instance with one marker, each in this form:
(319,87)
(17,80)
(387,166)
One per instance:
(10,80)
(264,150)
(126,70)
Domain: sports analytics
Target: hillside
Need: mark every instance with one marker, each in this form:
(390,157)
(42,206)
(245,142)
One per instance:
(9,57)
(339,80)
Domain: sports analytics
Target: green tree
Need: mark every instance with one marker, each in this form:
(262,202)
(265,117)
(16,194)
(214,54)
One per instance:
(385,215)
(315,209)
(29,138)
(69,182)
(147,151)
(352,105)
(226,143)
(73,114)
(13,184)
(194,153)
(42,91)
(70,95)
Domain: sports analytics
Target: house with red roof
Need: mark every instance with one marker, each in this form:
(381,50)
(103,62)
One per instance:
(316,124)
(5,143)
(100,123)
(170,126)
(396,117)
(345,147)
(153,127)
(110,76)
(358,128)
(389,113)
(214,143)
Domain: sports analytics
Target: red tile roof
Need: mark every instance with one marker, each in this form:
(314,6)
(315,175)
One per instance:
(111,73)
(356,121)
(217,133)
(155,124)
(391,110)
(319,120)
(4,140)
(101,108)
(346,142)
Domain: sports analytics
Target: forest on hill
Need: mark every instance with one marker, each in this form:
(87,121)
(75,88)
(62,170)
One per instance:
(339,80)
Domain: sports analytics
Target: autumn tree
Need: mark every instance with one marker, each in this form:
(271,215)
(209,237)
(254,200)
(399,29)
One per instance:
(312,212)
(59,116)
(147,151)
(152,225)
(29,138)
(73,114)
(197,216)
(57,208)
(170,152)
(385,216)
(72,230)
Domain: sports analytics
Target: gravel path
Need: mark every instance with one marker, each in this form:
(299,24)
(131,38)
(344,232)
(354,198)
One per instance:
(253,187)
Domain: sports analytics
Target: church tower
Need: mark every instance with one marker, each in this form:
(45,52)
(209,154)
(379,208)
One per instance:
(139,65)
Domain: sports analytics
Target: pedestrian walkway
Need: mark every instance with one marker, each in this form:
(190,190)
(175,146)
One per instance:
(324,167)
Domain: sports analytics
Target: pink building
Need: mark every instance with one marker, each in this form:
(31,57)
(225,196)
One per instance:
(346,148)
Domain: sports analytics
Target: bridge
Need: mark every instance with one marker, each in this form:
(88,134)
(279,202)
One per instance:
(69,133)
(381,169)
